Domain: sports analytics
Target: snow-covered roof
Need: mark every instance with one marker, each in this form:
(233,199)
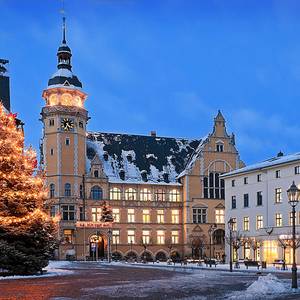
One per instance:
(158,159)
(269,163)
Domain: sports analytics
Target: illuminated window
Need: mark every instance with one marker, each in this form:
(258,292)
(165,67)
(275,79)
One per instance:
(160,216)
(220,216)
(116,236)
(174,195)
(116,215)
(270,251)
(146,237)
(67,190)
(160,195)
(175,236)
(291,218)
(199,215)
(278,220)
(160,237)
(130,215)
(96,193)
(146,216)
(115,193)
(68,235)
(246,226)
(96,214)
(52,190)
(130,194)
(68,212)
(145,194)
(175,216)
(247,251)
(130,236)
(234,224)
(259,222)
(278,195)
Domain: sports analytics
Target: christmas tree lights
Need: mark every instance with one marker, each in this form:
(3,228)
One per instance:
(26,232)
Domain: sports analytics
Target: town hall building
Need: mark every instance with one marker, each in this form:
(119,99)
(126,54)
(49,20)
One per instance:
(166,194)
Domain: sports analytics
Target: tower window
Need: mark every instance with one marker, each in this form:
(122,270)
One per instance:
(52,190)
(67,190)
(51,151)
(96,193)
(220,148)
(51,122)
(80,124)
(96,173)
(214,186)
(67,141)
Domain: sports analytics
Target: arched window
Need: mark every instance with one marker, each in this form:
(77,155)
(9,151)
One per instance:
(52,190)
(115,193)
(96,173)
(145,195)
(67,190)
(96,193)
(130,194)
(174,195)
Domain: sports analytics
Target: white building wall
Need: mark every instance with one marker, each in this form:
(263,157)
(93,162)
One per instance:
(268,209)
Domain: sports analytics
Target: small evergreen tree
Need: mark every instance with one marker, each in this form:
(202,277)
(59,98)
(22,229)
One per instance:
(106,213)
(26,232)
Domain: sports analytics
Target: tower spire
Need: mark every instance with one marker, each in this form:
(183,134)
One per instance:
(64,30)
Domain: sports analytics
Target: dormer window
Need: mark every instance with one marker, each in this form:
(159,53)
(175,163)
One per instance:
(105,156)
(166,177)
(219,147)
(122,174)
(144,175)
(96,173)
(129,157)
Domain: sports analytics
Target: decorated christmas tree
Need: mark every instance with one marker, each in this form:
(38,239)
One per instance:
(26,232)
(106,213)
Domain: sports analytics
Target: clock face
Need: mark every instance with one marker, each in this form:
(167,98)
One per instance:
(67,124)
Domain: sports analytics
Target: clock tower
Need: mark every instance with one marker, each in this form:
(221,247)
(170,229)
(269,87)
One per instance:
(64,134)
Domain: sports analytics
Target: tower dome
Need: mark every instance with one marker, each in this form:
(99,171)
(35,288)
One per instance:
(64,76)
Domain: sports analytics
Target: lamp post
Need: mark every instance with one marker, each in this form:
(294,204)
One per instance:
(230,227)
(293,196)
(210,232)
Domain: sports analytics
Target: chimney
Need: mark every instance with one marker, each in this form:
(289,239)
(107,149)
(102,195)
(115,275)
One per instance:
(4,84)
(153,133)
(279,154)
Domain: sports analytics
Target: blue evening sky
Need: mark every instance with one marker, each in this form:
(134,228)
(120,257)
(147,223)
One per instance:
(165,65)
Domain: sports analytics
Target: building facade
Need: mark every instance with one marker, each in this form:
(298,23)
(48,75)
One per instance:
(256,199)
(166,194)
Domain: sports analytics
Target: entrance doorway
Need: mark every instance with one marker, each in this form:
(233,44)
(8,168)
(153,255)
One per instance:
(97,245)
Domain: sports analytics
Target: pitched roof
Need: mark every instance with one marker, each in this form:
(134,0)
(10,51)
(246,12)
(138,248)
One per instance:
(152,159)
(269,163)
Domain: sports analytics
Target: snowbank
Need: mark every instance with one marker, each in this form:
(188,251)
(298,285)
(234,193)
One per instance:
(268,286)
(55,268)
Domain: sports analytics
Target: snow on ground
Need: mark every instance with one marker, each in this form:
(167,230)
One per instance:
(268,286)
(55,268)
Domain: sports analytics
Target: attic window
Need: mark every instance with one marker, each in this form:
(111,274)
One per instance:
(122,174)
(66,83)
(96,173)
(144,175)
(105,156)
(129,157)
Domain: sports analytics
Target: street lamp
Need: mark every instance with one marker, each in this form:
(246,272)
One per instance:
(210,232)
(293,196)
(230,227)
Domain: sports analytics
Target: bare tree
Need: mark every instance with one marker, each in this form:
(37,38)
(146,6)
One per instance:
(235,242)
(253,243)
